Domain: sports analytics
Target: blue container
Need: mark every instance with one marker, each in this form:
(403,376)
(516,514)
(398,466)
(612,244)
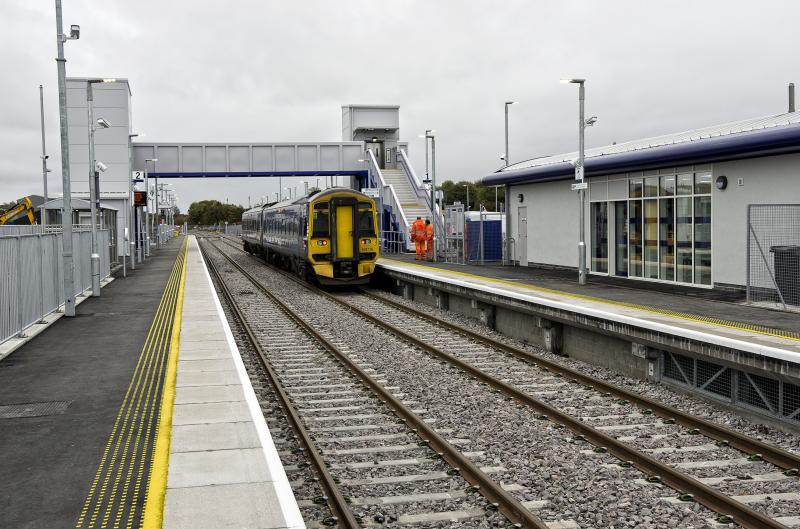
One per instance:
(492,240)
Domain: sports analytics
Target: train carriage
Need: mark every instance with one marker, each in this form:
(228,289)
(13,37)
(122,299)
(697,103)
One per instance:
(330,236)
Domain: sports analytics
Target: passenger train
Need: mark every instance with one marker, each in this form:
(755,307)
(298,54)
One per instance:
(329,236)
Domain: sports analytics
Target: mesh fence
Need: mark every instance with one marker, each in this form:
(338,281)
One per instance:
(766,394)
(773,255)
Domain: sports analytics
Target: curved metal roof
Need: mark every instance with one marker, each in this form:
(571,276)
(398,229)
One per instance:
(764,136)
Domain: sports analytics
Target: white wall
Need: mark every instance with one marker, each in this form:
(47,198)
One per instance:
(772,180)
(552,209)
(553,227)
(112,102)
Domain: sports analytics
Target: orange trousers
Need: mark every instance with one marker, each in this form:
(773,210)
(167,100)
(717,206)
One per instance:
(420,246)
(430,249)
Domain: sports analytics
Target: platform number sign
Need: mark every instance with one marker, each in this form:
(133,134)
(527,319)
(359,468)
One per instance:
(137,176)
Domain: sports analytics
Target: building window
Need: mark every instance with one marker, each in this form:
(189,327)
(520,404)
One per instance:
(702,239)
(651,238)
(635,267)
(661,232)
(666,238)
(599,230)
(621,238)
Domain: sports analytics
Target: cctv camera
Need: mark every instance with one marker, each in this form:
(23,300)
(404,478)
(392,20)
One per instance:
(74,31)
(103,123)
(100,166)
(591,121)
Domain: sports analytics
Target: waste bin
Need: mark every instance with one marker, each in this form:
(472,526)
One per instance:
(787,272)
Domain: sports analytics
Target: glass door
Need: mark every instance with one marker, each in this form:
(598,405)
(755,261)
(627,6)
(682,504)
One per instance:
(621,238)
(599,237)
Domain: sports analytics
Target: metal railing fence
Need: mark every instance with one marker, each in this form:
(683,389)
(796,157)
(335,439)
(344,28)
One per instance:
(393,242)
(773,255)
(31,276)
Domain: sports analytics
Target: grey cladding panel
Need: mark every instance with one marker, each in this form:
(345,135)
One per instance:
(215,159)
(284,157)
(307,158)
(167,159)
(192,158)
(262,158)
(617,189)
(140,154)
(350,156)
(329,157)
(239,158)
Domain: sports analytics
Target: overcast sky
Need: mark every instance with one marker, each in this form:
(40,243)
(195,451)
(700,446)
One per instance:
(257,71)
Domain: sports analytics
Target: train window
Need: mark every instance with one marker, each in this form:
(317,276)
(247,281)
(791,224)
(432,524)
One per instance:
(320,224)
(366,226)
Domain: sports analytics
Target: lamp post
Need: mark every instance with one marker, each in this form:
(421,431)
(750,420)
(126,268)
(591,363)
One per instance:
(132,207)
(66,212)
(147,207)
(430,178)
(94,195)
(467,186)
(508,104)
(45,170)
(579,174)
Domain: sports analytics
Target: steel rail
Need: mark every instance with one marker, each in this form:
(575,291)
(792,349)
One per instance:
(336,500)
(490,489)
(673,478)
(770,453)
(773,454)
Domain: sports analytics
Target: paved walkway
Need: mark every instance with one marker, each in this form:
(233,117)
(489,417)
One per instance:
(706,320)
(60,395)
(224,470)
(714,303)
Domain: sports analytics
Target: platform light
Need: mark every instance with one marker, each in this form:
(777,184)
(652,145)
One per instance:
(74,32)
(579,176)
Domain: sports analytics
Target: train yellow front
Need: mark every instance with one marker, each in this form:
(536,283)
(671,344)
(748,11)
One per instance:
(329,236)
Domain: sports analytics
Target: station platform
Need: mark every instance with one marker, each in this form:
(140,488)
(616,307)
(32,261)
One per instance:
(710,322)
(138,413)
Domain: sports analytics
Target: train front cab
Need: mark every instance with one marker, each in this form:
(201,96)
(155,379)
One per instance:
(343,242)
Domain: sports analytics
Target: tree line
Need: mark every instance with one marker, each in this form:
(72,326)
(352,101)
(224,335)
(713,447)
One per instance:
(478,194)
(209,212)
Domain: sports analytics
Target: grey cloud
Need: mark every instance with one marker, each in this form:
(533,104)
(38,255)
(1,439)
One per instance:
(279,71)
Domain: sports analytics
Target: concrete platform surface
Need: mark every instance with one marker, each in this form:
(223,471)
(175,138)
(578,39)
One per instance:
(673,310)
(71,378)
(224,470)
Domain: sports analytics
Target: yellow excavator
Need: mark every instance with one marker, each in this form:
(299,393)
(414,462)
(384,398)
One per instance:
(17,213)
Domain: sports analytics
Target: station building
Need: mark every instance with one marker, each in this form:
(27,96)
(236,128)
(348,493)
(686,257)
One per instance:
(669,209)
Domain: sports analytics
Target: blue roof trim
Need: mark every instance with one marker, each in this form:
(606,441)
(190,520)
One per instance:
(763,142)
(245,174)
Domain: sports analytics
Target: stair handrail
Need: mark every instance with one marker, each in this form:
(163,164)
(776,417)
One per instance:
(420,190)
(392,201)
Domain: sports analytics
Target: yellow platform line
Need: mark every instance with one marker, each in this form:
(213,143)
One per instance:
(730,324)
(141,386)
(157,480)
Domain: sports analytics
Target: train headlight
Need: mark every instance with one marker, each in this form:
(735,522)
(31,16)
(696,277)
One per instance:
(365,241)
(322,243)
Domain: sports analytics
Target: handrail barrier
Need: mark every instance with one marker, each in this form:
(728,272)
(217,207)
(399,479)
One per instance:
(389,198)
(32,276)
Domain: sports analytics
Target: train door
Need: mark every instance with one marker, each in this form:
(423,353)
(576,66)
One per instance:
(344,232)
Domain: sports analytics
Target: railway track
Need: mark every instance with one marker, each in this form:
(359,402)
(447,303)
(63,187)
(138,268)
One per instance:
(376,459)
(738,477)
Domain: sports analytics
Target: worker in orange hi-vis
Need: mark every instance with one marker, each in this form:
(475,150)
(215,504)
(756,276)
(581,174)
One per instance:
(429,238)
(418,238)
